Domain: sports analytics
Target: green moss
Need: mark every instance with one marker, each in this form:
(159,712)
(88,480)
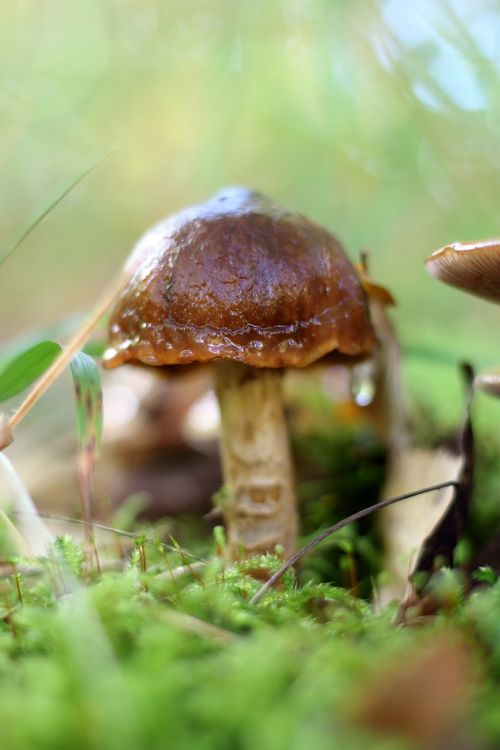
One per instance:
(103,665)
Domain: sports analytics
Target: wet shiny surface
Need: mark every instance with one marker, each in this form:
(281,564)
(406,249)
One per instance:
(238,278)
(471,266)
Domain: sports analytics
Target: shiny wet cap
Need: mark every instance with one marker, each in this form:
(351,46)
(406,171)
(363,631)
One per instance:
(238,278)
(471,266)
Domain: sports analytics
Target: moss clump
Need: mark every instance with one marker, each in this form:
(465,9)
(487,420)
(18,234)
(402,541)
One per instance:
(138,659)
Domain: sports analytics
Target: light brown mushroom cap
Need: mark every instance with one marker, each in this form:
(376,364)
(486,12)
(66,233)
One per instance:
(471,266)
(239,278)
(488,382)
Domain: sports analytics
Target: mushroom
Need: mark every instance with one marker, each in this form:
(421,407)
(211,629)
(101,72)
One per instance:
(241,282)
(471,266)
(488,382)
(475,268)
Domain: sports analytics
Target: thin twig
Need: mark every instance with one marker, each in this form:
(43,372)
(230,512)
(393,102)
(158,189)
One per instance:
(112,530)
(194,625)
(6,616)
(181,570)
(6,436)
(74,345)
(7,569)
(15,533)
(340,525)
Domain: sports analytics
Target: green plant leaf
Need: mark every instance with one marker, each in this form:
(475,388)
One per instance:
(27,367)
(57,330)
(60,329)
(89,397)
(88,394)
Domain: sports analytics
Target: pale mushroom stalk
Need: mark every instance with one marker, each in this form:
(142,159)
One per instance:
(261,508)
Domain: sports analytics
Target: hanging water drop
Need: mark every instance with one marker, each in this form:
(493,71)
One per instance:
(363,388)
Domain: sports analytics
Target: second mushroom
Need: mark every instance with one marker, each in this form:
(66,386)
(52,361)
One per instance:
(473,267)
(240,282)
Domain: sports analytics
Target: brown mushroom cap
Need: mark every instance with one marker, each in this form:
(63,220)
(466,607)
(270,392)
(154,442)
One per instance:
(471,266)
(238,278)
(488,382)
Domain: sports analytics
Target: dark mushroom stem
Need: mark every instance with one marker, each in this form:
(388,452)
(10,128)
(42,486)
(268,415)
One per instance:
(261,508)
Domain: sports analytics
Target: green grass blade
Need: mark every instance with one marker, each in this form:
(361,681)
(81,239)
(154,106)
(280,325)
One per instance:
(59,330)
(46,211)
(89,398)
(88,394)
(27,367)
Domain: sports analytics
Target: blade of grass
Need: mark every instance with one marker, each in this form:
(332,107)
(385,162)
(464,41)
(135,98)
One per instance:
(191,624)
(16,536)
(50,207)
(34,534)
(119,532)
(76,343)
(88,393)
(58,330)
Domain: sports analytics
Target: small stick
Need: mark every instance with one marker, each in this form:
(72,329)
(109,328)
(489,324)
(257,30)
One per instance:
(142,554)
(192,624)
(23,547)
(184,559)
(112,530)
(181,570)
(74,345)
(340,525)
(18,586)
(7,570)
(6,436)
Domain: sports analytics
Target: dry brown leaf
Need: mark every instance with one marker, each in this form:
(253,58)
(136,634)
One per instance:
(406,526)
(420,698)
(415,532)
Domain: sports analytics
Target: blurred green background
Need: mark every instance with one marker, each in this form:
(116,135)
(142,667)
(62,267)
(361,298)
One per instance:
(379,119)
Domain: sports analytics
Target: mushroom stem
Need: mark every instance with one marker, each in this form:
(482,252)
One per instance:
(261,509)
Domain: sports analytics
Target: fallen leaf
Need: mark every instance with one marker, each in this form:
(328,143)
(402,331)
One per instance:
(420,698)
(404,528)
(451,528)
(415,535)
